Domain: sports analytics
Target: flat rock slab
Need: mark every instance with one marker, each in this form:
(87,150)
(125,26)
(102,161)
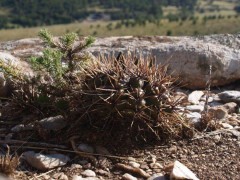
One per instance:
(189,58)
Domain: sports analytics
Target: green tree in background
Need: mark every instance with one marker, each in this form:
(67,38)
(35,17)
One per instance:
(28,13)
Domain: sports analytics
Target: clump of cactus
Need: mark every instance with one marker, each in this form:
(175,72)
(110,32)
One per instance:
(129,97)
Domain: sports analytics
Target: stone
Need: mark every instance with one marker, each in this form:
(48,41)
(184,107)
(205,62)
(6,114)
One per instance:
(210,99)
(76,166)
(235,133)
(226,126)
(22,127)
(102,150)
(75,177)
(3,85)
(156,166)
(194,117)
(134,164)
(13,61)
(46,177)
(179,171)
(55,123)
(215,103)
(131,169)
(2,177)
(195,108)
(189,58)
(218,112)
(127,176)
(158,176)
(45,162)
(102,172)
(231,107)
(144,166)
(195,96)
(234,121)
(85,148)
(230,96)
(60,176)
(88,173)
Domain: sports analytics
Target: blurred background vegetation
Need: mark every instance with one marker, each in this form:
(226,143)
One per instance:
(24,18)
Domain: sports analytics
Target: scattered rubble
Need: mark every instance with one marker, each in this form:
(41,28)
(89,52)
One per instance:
(222,104)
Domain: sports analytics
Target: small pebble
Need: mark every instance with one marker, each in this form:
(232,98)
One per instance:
(88,173)
(134,164)
(127,176)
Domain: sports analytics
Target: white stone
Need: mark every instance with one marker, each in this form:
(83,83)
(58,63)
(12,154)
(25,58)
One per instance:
(45,162)
(195,108)
(134,164)
(53,123)
(127,176)
(235,133)
(85,148)
(88,173)
(226,126)
(194,117)
(158,176)
(156,166)
(75,177)
(76,166)
(210,99)
(230,96)
(180,171)
(10,60)
(195,96)
(60,176)
(188,58)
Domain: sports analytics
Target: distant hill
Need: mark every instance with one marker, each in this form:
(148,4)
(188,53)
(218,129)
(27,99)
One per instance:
(29,13)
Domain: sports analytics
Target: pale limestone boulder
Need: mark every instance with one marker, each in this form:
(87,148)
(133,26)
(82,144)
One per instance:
(189,58)
(13,61)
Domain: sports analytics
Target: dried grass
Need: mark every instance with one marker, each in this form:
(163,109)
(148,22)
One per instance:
(8,163)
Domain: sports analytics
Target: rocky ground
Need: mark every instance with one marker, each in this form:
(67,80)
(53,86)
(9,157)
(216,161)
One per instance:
(210,155)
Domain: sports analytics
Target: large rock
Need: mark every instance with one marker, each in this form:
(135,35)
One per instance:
(189,58)
(11,60)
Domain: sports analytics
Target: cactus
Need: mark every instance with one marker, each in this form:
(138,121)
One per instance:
(130,94)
